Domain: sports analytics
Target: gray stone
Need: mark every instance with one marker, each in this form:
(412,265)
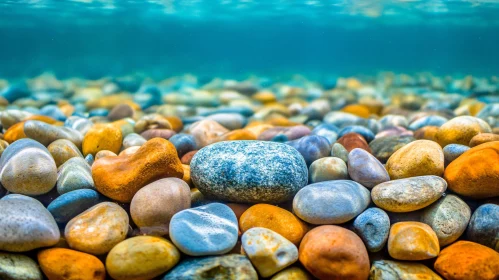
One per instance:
(453,151)
(18,267)
(365,169)
(331,202)
(326,169)
(484,226)
(74,174)
(249,171)
(384,147)
(133,139)
(373,226)
(339,151)
(46,133)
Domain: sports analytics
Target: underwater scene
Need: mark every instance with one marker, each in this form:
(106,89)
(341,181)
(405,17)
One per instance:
(249,139)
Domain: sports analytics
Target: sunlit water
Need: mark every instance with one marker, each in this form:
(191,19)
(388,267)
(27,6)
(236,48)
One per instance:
(237,38)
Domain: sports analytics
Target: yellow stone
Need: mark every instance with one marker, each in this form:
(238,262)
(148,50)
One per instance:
(412,241)
(102,137)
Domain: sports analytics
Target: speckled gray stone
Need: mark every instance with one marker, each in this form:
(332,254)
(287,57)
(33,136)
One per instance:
(331,202)
(339,151)
(27,168)
(373,226)
(25,224)
(205,230)
(235,267)
(365,169)
(18,267)
(484,226)
(448,217)
(249,171)
(46,133)
(74,174)
(384,147)
(453,151)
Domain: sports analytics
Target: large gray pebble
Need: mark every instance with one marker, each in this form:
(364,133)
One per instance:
(373,226)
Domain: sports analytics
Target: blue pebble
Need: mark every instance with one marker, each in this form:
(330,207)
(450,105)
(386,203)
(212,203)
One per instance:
(453,151)
(329,131)
(484,226)
(14,92)
(71,204)
(311,147)
(205,230)
(98,112)
(89,159)
(53,112)
(373,226)
(432,120)
(364,131)
(184,143)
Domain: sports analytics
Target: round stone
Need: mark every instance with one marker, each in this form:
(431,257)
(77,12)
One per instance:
(339,202)
(332,252)
(453,151)
(412,241)
(249,171)
(18,267)
(141,257)
(311,147)
(62,150)
(365,169)
(69,205)
(183,143)
(326,169)
(54,264)
(418,158)
(410,194)
(205,230)
(364,131)
(484,226)
(26,167)
(154,205)
(373,226)
(25,224)
(268,251)
(460,130)
(97,230)
(385,269)
(448,217)
(384,147)
(74,174)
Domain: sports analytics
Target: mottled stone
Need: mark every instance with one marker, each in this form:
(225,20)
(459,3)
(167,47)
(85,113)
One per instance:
(394,270)
(219,267)
(268,251)
(373,226)
(448,217)
(69,205)
(384,147)
(18,267)
(133,139)
(340,152)
(312,147)
(103,154)
(62,150)
(328,168)
(74,174)
(418,158)
(25,224)
(151,122)
(332,252)
(97,230)
(27,168)
(154,205)
(460,130)
(61,263)
(3,145)
(249,171)
(365,169)
(468,260)
(484,226)
(410,194)
(412,241)
(205,230)
(141,257)
(453,151)
(339,202)
(283,134)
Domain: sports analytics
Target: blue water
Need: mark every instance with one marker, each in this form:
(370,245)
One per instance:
(232,39)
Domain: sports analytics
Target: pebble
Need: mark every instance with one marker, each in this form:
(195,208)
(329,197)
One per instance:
(328,131)
(332,252)
(157,132)
(205,230)
(249,171)
(102,137)
(151,121)
(120,177)
(121,111)
(311,147)
(384,147)
(74,174)
(62,150)
(361,130)
(468,260)
(483,138)
(373,226)
(132,140)
(339,201)
(206,132)
(484,226)
(385,269)
(460,130)
(431,120)
(54,264)
(475,173)
(230,121)
(218,267)
(453,151)
(410,194)
(417,158)
(326,169)
(448,217)
(46,133)
(365,169)
(292,273)
(141,257)
(69,205)
(18,267)
(354,140)
(97,230)
(412,241)
(340,152)
(184,143)
(26,167)
(25,224)
(268,251)
(153,206)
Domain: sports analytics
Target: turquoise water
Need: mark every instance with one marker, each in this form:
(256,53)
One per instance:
(235,39)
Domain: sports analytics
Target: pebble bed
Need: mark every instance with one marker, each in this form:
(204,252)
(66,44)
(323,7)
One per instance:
(385,177)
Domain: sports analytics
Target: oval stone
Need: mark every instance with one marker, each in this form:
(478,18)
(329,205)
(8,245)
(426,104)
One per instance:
(46,133)
(74,174)
(418,158)
(339,151)
(365,169)
(62,150)
(54,263)
(326,169)
(249,171)
(484,226)
(373,226)
(453,151)
(133,139)
(331,202)
(69,205)
(410,194)
(18,267)
(311,147)
(384,147)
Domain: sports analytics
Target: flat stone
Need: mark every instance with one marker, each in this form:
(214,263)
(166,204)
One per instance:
(46,133)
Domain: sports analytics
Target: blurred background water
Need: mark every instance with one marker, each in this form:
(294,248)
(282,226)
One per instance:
(238,38)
